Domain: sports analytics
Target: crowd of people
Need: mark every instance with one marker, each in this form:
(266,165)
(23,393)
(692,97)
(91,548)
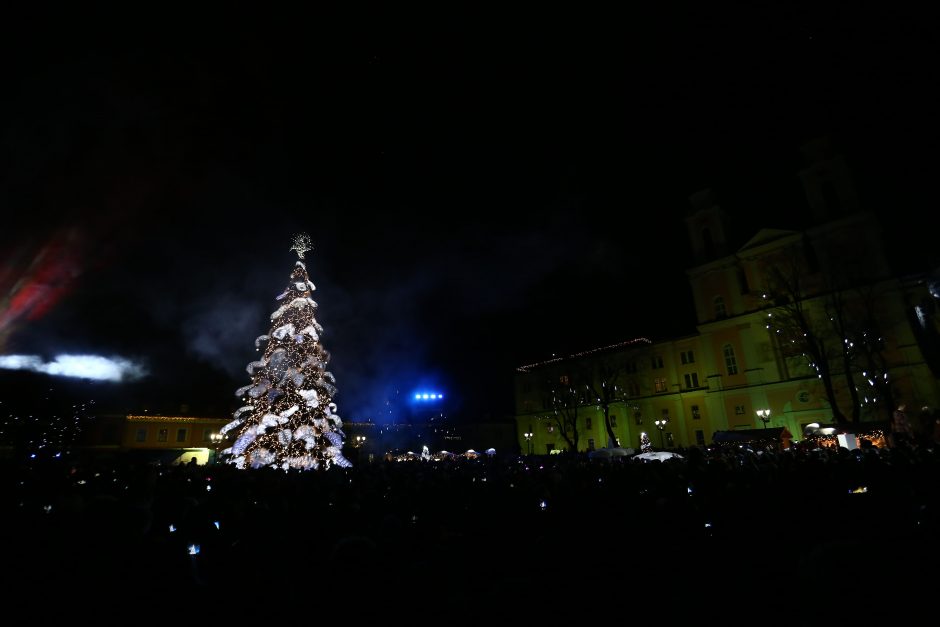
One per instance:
(791,534)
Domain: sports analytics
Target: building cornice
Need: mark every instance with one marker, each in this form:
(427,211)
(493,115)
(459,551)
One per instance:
(136,418)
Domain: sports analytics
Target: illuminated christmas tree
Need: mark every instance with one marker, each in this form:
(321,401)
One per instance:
(645,444)
(289,419)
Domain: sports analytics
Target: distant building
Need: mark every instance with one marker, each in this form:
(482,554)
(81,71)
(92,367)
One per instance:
(805,326)
(171,439)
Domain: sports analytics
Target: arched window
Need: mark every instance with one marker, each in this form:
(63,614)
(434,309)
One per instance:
(831,198)
(720,311)
(731,363)
(708,244)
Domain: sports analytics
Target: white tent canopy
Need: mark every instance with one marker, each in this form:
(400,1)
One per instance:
(660,456)
(607,453)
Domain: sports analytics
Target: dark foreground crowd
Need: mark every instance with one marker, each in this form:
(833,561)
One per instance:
(798,537)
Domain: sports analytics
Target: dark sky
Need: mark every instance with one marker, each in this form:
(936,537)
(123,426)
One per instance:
(482,190)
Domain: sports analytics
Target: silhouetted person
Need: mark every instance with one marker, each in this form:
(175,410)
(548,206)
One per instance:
(901,432)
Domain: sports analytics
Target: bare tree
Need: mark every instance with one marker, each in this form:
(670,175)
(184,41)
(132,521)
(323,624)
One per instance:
(834,321)
(564,397)
(604,389)
(799,326)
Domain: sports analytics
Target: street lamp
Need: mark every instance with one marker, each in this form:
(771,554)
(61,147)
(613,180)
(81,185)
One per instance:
(764,416)
(360,440)
(528,441)
(216,441)
(661,424)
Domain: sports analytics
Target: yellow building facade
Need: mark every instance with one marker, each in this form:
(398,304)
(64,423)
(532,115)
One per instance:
(741,359)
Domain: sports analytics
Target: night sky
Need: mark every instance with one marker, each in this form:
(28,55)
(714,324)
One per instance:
(482,190)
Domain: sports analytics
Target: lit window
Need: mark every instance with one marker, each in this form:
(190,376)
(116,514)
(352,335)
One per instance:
(162,435)
(659,384)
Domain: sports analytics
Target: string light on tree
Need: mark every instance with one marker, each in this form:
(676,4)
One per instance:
(289,419)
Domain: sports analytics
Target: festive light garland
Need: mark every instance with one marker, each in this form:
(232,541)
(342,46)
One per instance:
(584,353)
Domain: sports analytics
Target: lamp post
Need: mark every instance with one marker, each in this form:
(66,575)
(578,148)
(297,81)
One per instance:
(764,416)
(661,424)
(360,440)
(528,442)
(216,441)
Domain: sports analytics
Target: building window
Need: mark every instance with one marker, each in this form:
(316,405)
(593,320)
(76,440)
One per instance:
(633,388)
(720,311)
(549,448)
(613,421)
(739,410)
(669,439)
(730,362)
(526,387)
(691,380)
(181,435)
(700,437)
(141,435)
(207,434)
(162,434)
(588,423)
(638,417)
(564,380)
(659,384)
(688,357)
(742,281)
(630,367)
(665,414)
(111,435)
(656,362)
(696,415)
(590,444)
(831,198)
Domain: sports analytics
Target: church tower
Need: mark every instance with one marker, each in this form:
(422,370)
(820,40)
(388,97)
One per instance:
(708,227)
(827,182)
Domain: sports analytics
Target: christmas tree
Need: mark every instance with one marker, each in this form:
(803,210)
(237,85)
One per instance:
(645,444)
(289,419)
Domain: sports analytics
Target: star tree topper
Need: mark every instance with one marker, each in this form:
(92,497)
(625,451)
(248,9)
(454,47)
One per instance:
(302,243)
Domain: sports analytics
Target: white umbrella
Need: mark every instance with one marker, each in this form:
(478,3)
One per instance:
(607,453)
(660,456)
